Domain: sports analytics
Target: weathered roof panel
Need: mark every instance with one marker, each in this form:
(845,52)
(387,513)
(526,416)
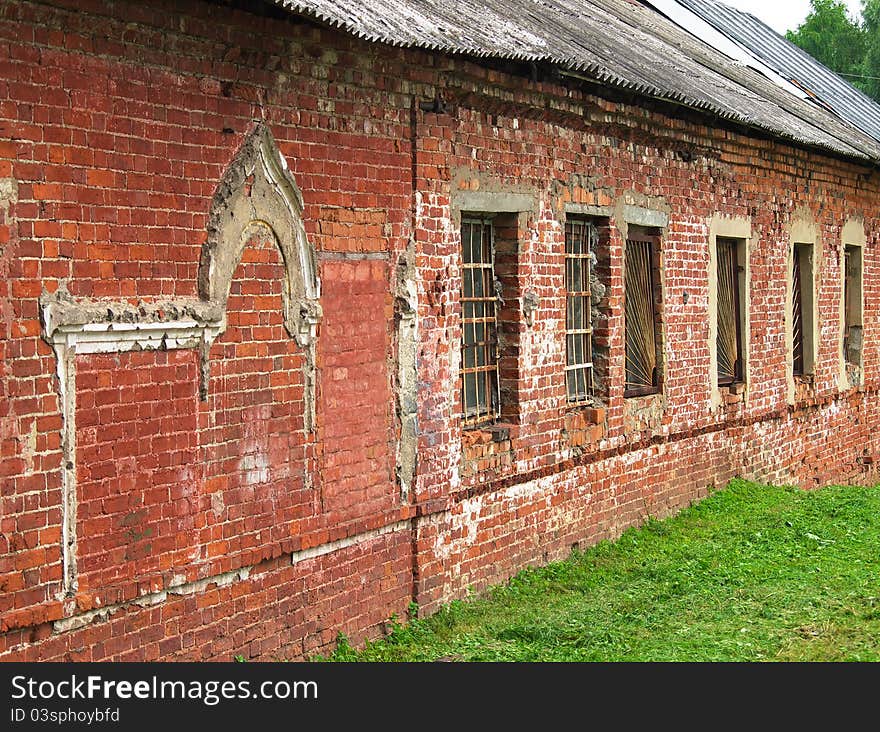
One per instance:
(791,62)
(617,42)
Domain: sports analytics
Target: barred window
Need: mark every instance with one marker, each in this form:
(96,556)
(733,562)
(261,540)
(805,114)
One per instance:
(797,316)
(852,305)
(642,321)
(480,396)
(730,311)
(581,238)
(802,310)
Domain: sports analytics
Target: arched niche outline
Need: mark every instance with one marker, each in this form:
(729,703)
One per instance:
(258,192)
(258,189)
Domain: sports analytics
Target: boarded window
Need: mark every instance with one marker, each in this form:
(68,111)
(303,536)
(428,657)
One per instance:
(731,324)
(642,321)
(479,325)
(580,242)
(802,339)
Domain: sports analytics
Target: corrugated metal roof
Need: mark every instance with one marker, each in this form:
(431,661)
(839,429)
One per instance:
(792,63)
(616,42)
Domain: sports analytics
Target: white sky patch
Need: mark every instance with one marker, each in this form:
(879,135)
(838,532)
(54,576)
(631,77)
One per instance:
(783,15)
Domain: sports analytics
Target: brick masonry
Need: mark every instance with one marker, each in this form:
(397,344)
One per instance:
(229,524)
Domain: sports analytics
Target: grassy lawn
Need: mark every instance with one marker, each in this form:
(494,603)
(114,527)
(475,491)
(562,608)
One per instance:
(750,573)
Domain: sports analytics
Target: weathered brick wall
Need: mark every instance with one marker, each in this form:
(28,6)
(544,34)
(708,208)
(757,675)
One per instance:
(117,125)
(138,463)
(656,454)
(208,527)
(355,427)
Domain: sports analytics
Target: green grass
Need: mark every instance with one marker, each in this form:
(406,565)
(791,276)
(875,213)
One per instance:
(750,573)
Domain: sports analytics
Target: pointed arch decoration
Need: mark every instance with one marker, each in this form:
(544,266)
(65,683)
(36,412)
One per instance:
(258,189)
(257,192)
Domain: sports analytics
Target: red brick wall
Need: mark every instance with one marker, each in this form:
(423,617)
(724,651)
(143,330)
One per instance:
(280,611)
(236,529)
(138,471)
(355,410)
(257,459)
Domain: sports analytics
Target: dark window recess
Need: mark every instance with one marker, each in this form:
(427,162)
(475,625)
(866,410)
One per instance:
(797,316)
(852,305)
(642,321)
(581,238)
(730,322)
(479,324)
(802,343)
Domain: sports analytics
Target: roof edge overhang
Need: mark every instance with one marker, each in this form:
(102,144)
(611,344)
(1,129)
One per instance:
(588,72)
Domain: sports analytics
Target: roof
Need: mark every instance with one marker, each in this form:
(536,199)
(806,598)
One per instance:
(615,42)
(793,63)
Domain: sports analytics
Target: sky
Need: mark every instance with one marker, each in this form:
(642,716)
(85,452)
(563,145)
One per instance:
(783,15)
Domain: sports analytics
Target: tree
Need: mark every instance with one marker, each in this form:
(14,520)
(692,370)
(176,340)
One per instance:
(870,69)
(830,36)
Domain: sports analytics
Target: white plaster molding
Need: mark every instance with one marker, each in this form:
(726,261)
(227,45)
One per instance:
(257,190)
(87,327)
(120,337)
(640,216)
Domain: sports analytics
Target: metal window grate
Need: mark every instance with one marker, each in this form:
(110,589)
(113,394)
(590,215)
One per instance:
(729,338)
(797,313)
(480,397)
(580,242)
(847,296)
(852,305)
(641,322)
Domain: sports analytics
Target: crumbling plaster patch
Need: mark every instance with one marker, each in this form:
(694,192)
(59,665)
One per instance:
(406,321)
(8,195)
(9,426)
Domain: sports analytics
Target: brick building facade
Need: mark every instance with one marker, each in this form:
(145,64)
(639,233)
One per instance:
(240,411)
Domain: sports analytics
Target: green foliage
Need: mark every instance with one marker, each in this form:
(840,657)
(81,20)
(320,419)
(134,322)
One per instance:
(871,63)
(344,651)
(750,573)
(830,36)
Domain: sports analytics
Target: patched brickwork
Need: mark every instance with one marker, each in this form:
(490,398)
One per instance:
(138,471)
(185,475)
(354,434)
(256,454)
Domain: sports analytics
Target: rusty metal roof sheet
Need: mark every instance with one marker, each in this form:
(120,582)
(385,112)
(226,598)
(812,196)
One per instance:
(616,42)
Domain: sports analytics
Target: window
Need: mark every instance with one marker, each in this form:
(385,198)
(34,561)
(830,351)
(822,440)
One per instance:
(852,305)
(731,323)
(480,397)
(642,321)
(581,238)
(802,339)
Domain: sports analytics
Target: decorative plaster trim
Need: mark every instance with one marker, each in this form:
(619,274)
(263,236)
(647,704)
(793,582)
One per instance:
(120,337)
(638,216)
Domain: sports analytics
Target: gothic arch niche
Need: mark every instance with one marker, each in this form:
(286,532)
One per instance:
(256,201)
(256,455)
(258,272)
(258,193)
